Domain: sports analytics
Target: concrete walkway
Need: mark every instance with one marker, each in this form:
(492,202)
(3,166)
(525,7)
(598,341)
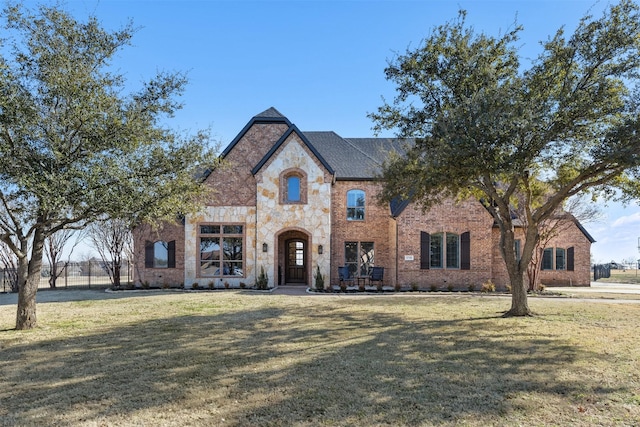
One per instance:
(95,294)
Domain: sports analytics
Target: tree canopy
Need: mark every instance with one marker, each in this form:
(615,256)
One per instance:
(514,136)
(75,146)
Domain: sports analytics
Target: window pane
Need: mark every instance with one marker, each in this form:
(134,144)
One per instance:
(355,205)
(232,229)
(547,259)
(160,255)
(351,251)
(453,250)
(232,248)
(209,248)
(366,258)
(209,229)
(209,268)
(516,245)
(293,189)
(436,250)
(560,259)
(351,257)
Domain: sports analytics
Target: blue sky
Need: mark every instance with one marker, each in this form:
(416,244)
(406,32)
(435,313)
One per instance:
(320,63)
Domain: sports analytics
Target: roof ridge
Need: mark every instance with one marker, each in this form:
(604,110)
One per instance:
(271,112)
(361,151)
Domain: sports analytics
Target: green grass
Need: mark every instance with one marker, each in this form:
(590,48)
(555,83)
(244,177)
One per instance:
(234,359)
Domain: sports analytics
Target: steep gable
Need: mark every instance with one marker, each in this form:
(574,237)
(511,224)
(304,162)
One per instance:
(233,181)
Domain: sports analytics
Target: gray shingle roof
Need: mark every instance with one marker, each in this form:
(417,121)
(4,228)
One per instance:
(353,158)
(270,113)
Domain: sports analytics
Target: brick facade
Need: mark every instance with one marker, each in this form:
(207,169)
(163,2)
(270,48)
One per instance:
(159,277)
(377,227)
(448,217)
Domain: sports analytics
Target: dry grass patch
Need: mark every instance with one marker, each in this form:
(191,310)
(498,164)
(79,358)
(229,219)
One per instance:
(235,359)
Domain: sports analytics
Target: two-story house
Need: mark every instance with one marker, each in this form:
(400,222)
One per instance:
(288,202)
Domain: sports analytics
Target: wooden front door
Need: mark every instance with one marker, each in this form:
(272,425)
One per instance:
(295,268)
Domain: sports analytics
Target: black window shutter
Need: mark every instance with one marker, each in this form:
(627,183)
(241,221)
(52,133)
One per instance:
(148,254)
(465,251)
(570,259)
(171,254)
(425,246)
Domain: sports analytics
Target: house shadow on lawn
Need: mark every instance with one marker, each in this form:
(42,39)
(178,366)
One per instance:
(282,366)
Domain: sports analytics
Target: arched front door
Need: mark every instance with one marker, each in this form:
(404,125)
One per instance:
(295,261)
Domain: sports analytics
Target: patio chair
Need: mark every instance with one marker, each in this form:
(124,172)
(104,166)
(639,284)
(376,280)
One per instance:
(344,275)
(376,275)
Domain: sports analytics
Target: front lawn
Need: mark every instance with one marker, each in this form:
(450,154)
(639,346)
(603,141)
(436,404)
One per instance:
(237,359)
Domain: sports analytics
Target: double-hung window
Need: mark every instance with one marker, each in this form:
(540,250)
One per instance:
(355,205)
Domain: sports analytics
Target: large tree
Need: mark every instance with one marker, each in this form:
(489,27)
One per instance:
(518,137)
(75,145)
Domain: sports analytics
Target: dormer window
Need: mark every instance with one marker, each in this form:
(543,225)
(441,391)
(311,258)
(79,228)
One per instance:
(293,186)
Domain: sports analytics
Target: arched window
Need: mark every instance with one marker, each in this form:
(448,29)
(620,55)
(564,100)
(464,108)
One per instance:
(293,186)
(355,205)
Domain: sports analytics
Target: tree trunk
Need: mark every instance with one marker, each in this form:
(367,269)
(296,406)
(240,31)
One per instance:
(519,303)
(29,271)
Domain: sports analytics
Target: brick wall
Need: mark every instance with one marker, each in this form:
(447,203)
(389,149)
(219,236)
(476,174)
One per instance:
(233,183)
(159,276)
(453,217)
(376,228)
(572,236)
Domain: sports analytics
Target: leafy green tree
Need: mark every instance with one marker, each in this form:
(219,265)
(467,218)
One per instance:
(515,137)
(75,146)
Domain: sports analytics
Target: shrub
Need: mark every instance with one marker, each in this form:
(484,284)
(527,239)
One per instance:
(433,287)
(165,285)
(195,285)
(319,279)
(226,284)
(263,280)
(211,285)
(414,286)
(471,287)
(243,285)
(488,286)
(508,287)
(146,285)
(450,287)
(398,287)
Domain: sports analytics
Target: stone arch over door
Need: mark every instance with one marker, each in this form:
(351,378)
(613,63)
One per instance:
(294,257)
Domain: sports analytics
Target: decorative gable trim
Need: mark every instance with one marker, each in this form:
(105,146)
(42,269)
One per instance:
(266,117)
(283,138)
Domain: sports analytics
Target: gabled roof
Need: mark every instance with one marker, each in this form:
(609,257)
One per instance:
(283,138)
(270,115)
